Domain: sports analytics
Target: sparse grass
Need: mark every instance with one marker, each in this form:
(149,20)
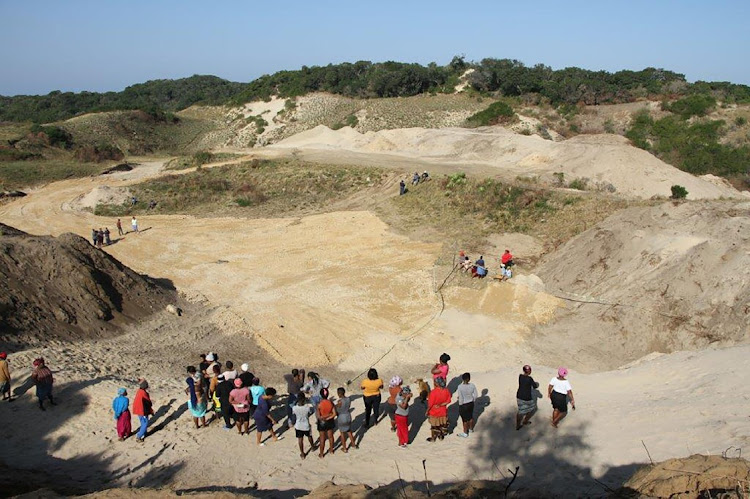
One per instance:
(23,174)
(253,189)
(185,162)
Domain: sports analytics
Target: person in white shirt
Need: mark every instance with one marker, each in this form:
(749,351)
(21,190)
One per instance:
(559,391)
(302,412)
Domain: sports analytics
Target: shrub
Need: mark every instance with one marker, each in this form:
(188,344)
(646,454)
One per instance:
(609,126)
(55,136)
(678,192)
(740,121)
(579,184)
(98,153)
(693,105)
(496,113)
(202,157)
(456,179)
(559,179)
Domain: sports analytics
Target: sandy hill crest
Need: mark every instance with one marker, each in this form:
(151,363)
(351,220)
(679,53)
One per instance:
(64,288)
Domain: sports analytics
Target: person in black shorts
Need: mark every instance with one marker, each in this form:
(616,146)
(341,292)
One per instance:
(559,391)
(467,395)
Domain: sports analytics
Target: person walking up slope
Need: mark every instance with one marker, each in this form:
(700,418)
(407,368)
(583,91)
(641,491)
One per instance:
(143,408)
(559,391)
(122,414)
(467,394)
(43,379)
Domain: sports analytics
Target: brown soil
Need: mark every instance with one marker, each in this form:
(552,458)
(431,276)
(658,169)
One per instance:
(64,288)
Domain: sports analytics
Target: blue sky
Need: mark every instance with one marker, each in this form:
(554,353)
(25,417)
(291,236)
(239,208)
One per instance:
(101,45)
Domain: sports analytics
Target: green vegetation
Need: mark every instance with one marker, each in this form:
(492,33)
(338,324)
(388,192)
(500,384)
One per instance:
(693,147)
(740,121)
(692,105)
(365,79)
(350,121)
(53,136)
(678,192)
(580,184)
(253,188)
(24,174)
(497,112)
(198,159)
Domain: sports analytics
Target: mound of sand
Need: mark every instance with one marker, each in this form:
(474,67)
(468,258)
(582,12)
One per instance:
(694,476)
(668,277)
(64,288)
(103,195)
(602,159)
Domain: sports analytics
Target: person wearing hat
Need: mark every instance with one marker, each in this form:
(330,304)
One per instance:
(402,416)
(43,380)
(143,407)
(240,400)
(559,391)
(394,388)
(122,414)
(5,377)
(246,376)
(525,397)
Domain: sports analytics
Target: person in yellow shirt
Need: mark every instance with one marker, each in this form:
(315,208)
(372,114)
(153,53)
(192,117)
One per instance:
(371,392)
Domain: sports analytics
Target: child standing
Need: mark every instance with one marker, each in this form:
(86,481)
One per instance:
(344,420)
(301,412)
(402,416)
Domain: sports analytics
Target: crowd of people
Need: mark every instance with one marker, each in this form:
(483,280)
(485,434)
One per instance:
(235,397)
(479,267)
(102,237)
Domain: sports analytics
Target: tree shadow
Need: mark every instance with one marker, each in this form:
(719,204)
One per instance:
(31,449)
(162,412)
(553,462)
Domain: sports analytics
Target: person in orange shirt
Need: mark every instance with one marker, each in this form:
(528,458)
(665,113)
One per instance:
(371,393)
(143,408)
(326,422)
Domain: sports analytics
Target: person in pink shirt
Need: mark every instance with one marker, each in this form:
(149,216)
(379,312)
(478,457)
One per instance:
(440,370)
(240,400)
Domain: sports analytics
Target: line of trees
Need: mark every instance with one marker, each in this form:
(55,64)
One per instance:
(365,79)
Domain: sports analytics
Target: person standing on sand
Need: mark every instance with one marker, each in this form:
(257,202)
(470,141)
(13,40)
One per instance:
(525,397)
(437,409)
(402,416)
(441,369)
(134,224)
(143,408)
(302,412)
(122,414)
(467,395)
(256,392)
(294,382)
(5,377)
(262,416)
(223,390)
(107,238)
(312,388)
(240,400)
(94,236)
(43,380)
(344,420)
(326,422)
(197,401)
(100,238)
(119,228)
(559,391)
(394,388)
(401,188)
(371,393)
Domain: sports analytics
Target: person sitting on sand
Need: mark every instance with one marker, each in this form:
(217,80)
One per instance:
(326,422)
(559,391)
(5,377)
(262,416)
(240,400)
(402,416)
(143,408)
(479,269)
(122,414)
(415,179)
(437,409)
(425,176)
(525,397)
(43,380)
(301,412)
(507,259)
(466,264)
(344,420)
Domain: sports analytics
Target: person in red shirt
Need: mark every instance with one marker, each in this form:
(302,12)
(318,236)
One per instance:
(143,408)
(507,259)
(437,410)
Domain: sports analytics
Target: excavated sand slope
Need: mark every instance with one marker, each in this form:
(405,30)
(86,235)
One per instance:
(679,274)
(603,159)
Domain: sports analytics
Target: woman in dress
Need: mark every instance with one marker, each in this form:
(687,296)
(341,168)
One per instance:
(344,420)
(525,397)
(122,414)
(559,391)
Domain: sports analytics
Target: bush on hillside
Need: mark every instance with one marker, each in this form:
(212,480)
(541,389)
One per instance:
(98,153)
(54,136)
(497,113)
(692,105)
(678,192)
